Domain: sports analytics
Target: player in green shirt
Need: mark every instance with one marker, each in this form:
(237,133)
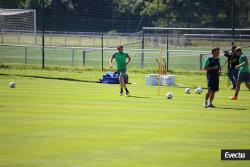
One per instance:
(244,75)
(121,62)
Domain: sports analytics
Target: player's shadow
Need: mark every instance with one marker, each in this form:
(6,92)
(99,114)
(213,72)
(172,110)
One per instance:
(139,97)
(231,108)
(52,78)
(246,90)
(64,79)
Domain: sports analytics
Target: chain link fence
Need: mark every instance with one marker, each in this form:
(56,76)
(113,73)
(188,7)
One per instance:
(92,49)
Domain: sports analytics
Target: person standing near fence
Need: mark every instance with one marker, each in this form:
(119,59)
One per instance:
(121,61)
(233,61)
(213,68)
(244,75)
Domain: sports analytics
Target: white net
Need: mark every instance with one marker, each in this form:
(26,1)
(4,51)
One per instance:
(19,23)
(195,37)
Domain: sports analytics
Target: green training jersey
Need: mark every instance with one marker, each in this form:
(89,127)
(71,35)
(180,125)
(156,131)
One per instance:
(210,62)
(244,68)
(120,59)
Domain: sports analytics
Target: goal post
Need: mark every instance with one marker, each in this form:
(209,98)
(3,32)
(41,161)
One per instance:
(18,21)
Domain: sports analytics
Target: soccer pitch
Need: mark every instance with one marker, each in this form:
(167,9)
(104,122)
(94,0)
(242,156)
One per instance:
(66,119)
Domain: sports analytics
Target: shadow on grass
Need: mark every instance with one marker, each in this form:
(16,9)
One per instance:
(245,90)
(53,78)
(139,97)
(230,108)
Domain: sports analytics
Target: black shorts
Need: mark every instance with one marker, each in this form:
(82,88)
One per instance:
(121,73)
(213,83)
(244,77)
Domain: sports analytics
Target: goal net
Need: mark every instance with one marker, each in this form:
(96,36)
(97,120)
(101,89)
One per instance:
(187,48)
(16,24)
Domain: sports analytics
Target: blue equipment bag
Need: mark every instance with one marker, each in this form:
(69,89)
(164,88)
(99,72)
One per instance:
(112,78)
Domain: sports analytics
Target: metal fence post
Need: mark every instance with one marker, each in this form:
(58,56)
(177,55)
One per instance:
(167,54)
(201,62)
(2,36)
(73,56)
(65,39)
(43,34)
(81,40)
(107,38)
(25,54)
(79,35)
(83,57)
(233,20)
(50,39)
(142,49)
(18,37)
(93,36)
(102,52)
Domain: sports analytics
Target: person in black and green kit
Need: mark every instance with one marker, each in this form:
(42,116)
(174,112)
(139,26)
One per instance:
(244,75)
(121,61)
(213,68)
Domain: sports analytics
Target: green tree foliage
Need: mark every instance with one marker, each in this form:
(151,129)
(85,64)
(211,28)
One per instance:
(129,15)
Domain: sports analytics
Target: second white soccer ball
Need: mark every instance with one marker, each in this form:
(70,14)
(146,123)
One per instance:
(198,90)
(188,90)
(12,85)
(169,96)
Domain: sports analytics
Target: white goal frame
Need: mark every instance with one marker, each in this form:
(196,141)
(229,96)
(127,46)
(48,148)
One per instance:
(11,12)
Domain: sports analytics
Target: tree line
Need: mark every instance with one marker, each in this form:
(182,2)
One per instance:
(131,15)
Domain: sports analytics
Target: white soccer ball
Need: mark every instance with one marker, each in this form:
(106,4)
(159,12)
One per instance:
(198,90)
(169,95)
(12,84)
(188,90)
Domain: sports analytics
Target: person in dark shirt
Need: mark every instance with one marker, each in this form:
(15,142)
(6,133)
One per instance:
(233,61)
(213,68)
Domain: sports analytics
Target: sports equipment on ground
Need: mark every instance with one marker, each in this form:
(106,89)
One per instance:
(169,95)
(198,90)
(188,90)
(12,85)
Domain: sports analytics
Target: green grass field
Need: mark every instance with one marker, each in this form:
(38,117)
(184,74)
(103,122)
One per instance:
(62,118)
